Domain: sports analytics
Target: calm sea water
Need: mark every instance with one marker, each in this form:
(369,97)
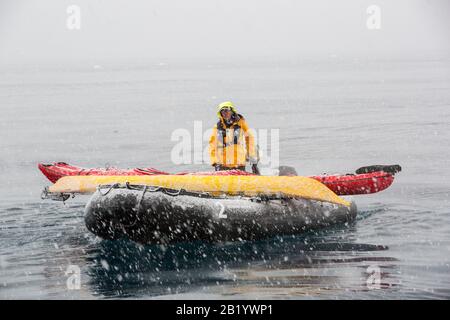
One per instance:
(333,116)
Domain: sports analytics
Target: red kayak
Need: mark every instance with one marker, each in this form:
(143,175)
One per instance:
(58,170)
(352,184)
(366,180)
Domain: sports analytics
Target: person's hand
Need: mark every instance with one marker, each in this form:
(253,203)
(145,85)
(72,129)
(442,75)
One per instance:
(252,161)
(255,169)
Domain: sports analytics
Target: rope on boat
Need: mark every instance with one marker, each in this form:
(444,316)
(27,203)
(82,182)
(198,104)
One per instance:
(113,186)
(179,192)
(138,209)
(45,194)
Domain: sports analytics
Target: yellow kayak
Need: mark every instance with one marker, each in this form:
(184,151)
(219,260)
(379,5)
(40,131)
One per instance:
(283,186)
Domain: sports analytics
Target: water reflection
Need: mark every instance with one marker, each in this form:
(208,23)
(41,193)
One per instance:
(313,264)
(330,263)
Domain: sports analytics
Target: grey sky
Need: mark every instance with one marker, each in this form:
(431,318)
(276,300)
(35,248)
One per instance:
(35,30)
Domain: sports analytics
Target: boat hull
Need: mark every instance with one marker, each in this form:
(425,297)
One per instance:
(147,216)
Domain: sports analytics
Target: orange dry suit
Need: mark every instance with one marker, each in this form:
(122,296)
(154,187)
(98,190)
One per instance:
(232,144)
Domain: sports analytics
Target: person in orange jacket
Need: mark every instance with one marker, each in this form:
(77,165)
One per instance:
(232,143)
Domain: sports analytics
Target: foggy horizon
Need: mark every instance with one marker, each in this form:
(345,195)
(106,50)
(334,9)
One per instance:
(160,31)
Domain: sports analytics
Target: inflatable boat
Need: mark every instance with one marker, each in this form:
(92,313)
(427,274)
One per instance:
(171,208)
(159,215)
(151,206)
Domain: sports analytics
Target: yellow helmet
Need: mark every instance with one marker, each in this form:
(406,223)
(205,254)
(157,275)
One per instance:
(225,105)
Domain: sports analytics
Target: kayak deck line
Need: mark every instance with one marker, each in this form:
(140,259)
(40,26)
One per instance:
(287,186)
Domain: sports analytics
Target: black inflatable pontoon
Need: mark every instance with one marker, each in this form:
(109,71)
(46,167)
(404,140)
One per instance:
(155,215)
